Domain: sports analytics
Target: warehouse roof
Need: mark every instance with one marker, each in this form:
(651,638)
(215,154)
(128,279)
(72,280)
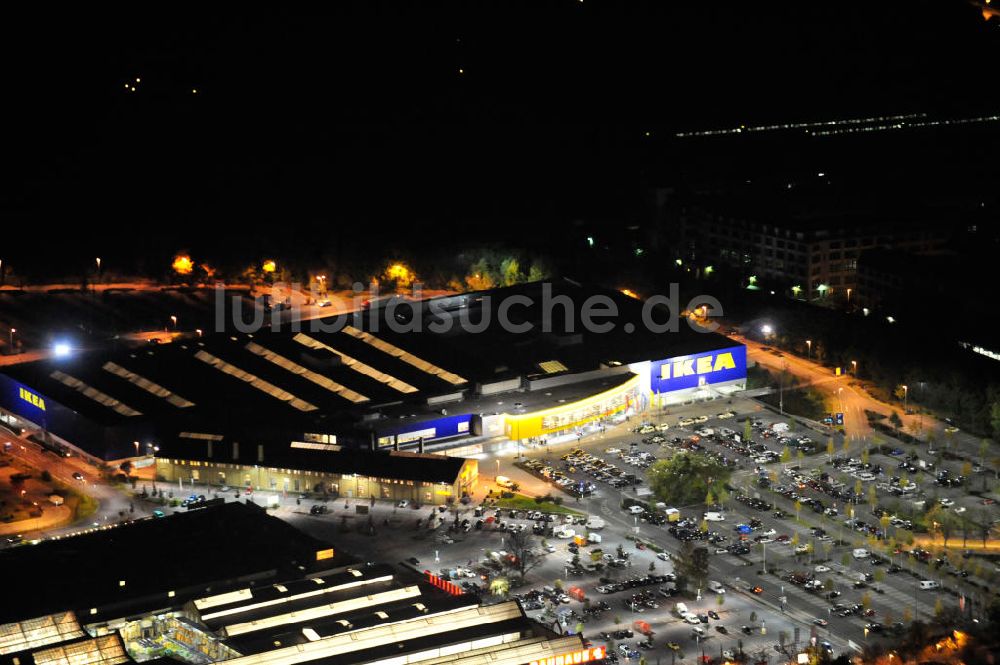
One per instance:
(183,553)
(329,375)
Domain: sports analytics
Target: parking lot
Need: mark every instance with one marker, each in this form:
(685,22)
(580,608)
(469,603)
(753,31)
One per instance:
(827,576)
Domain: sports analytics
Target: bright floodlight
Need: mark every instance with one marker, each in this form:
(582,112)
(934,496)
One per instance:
(61,349)
(766,329)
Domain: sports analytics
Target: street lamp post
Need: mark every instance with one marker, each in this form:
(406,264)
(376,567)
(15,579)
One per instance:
(809,348)
(781,389)
(12,331)
(173,319)
(854,367)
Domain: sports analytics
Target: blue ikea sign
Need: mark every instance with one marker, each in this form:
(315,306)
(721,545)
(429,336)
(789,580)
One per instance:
(438,428)
(20,399)
(698,369)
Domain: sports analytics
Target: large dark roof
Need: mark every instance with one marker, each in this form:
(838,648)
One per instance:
(186,553)
(276,384)
(496,353)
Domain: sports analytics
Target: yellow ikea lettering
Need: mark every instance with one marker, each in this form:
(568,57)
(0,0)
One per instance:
(702,365)
(31,398)
(724,361)
(684,368)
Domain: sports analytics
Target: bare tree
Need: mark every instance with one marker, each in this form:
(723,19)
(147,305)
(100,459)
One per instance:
(525,556)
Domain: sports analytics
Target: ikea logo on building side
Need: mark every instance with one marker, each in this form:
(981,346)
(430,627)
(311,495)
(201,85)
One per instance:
(698,369)
(702,365)
(31,398)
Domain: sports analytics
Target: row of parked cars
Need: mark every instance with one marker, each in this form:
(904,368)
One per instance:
(599,469)
(633,583)
(544,470)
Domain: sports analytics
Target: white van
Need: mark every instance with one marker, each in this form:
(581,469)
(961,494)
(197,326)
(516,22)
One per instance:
(681,609)
(504,481)
(716,586)
(595,523)
(594,538)
(713,516)
(860,553)
(929,584)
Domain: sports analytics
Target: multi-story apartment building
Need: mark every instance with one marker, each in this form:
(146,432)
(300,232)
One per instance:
(811,255)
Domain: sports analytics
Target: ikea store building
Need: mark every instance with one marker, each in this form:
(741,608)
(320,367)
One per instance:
(360,406)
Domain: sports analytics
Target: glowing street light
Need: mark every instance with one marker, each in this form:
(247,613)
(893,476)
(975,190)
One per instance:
(767,329)
(61,350)
(796,290)
(173,319)
(183,265)
(854,367)
(198,331)
(809,348)
(269,266)
(12,331)
(98,264)
(752,279)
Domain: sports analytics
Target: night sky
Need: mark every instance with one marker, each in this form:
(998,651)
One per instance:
(409,125)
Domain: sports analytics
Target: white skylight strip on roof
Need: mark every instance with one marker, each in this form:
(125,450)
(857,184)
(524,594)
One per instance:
(222,599)
(147,385)
(93,393)
(322,611)
(255,381)
(405,356)
(306,373)
(201,436)
(448,621)
(281,601)
(357,365)
(309,445)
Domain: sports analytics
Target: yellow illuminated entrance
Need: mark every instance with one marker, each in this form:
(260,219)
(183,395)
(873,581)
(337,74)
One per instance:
(567,416)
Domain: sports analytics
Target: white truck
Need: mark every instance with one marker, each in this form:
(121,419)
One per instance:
(595,523)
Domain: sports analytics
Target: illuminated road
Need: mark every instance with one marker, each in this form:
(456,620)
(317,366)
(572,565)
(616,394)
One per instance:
(112,502)
(841,394)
